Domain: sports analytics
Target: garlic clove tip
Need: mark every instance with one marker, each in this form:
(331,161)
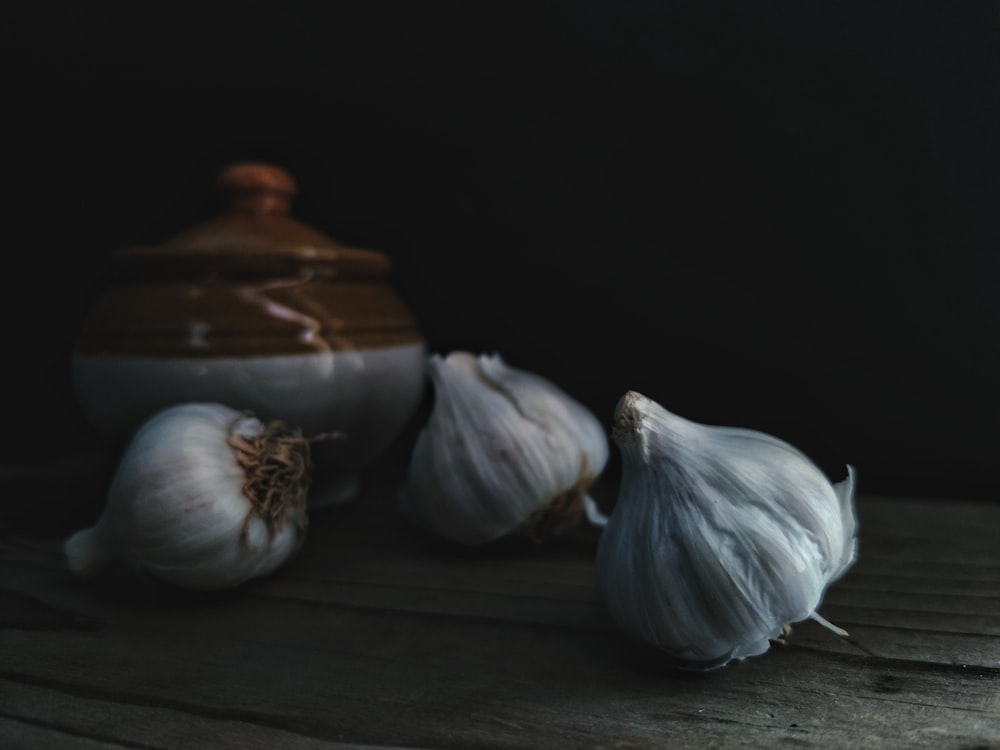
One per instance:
(817,617)
(593,513)
(87,551)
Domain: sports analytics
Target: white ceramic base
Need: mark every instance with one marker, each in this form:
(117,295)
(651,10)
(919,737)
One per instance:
(369,395)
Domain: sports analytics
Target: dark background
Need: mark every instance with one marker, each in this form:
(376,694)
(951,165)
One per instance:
(781,216)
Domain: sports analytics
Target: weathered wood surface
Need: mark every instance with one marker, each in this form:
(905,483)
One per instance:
(378,636)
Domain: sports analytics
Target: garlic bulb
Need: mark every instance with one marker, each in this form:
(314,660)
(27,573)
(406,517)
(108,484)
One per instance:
(720,538)
(204,497)
(503,451)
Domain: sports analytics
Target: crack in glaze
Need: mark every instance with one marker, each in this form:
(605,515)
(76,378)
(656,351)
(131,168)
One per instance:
(311,326)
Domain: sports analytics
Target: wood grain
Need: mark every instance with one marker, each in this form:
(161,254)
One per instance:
(377,635)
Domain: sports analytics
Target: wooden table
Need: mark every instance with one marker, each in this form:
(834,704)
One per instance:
(376,635)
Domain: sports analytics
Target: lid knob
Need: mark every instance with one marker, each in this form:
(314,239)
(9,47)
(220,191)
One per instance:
(256,188)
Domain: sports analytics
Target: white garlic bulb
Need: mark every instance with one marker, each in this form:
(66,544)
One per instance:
(720,537)
(203,497)
(504,451)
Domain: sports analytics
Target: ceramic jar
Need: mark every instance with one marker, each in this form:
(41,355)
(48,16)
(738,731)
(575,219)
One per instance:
(256,310)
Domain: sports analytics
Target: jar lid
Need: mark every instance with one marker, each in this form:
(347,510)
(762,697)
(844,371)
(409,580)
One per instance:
(254,236)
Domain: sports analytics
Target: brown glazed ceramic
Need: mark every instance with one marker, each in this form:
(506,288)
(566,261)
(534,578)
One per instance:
(259,311)
(262,281)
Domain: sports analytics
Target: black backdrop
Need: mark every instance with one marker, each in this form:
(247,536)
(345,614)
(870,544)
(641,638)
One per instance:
(777,215)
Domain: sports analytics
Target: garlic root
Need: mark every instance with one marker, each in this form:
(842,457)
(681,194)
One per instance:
(276,462)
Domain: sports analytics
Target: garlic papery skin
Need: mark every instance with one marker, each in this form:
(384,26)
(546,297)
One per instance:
(204,497)
(504,451)
(720,536)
